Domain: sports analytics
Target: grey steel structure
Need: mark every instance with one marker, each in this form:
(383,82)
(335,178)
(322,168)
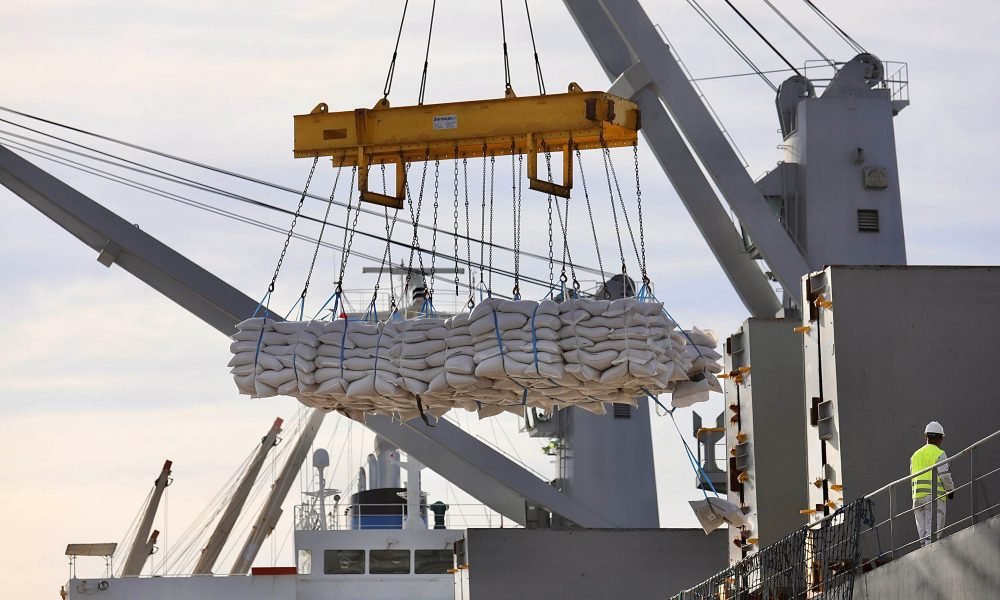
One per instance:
(592,564)
(764,431)
(839,176)
(897,348)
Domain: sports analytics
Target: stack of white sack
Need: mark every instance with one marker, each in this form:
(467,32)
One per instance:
(517,355)
(619,350)
(700,379)
(275,358)
(502,356)
(418,356)
(456,385)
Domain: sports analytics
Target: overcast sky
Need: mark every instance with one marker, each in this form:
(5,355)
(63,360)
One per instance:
(103,378)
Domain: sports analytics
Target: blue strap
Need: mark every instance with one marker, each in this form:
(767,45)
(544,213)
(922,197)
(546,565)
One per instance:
(265,299)
(371,312)
(427,308)
(378,346)
(343,338)
(534,338)
(698,470)
(301,303)
(265,302)
(333,311)
(503,362)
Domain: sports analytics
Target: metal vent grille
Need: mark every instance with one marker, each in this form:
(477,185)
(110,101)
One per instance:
(867,219)
(622,411)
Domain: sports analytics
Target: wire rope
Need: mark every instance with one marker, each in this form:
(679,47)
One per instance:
(798,32)
(762,37)
(506,58)
(729,41)
(534,49)
(177,179)
(836,28)
(427,55)
(211,209)
(395,52)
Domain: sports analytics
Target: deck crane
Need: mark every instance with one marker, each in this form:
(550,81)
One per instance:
(597,492)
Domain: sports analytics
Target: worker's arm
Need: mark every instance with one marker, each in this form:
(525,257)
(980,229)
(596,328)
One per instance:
(944,472)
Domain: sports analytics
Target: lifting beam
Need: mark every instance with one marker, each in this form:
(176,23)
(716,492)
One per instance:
(504,126)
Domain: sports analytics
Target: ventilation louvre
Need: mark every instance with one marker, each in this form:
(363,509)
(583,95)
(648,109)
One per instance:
(868,220)
(622,411)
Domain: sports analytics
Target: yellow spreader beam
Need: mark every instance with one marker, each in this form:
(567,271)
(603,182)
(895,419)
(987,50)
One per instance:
(512,125)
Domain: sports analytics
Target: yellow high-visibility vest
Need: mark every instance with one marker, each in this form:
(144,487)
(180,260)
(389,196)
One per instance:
(921,459)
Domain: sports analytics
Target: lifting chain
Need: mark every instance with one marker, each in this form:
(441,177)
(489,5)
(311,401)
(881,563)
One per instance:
(489,286)
(482,224)
(590,213)
(468,232)
(415,219)
(642,231)
(319,239)
(516,188)
(614,211)
(291,230)
(390,227)
(621,200)
(552,284)
(349,229)
(564,226)
(456,222)
(429,281)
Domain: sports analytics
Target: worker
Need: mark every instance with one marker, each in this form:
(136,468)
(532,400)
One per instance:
(923,458)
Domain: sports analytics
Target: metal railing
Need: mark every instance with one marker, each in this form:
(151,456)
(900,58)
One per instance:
(815,561)
(820,559)
(896,78)
(343,516)
(972,494)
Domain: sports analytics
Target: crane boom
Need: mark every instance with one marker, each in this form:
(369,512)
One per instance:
(636,58)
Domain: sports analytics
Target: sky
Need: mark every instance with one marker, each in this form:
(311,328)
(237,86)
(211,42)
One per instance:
(103,378)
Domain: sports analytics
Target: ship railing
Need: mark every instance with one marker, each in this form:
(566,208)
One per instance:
(824,556)
(896,77)
(974,471)
(346,516)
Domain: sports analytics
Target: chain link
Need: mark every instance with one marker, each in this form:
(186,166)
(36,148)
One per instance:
(468,232)
(319,238)
(563,225)
(621,200)
(590,212)
(517,222)
(291,230)
(551,259)
(390,227)
(415,219)
(642,231)
(434,233)
(457,280)
(489,286)
(348,233)
(614,212)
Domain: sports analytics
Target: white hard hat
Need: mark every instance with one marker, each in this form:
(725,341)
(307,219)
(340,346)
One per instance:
(935,428)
